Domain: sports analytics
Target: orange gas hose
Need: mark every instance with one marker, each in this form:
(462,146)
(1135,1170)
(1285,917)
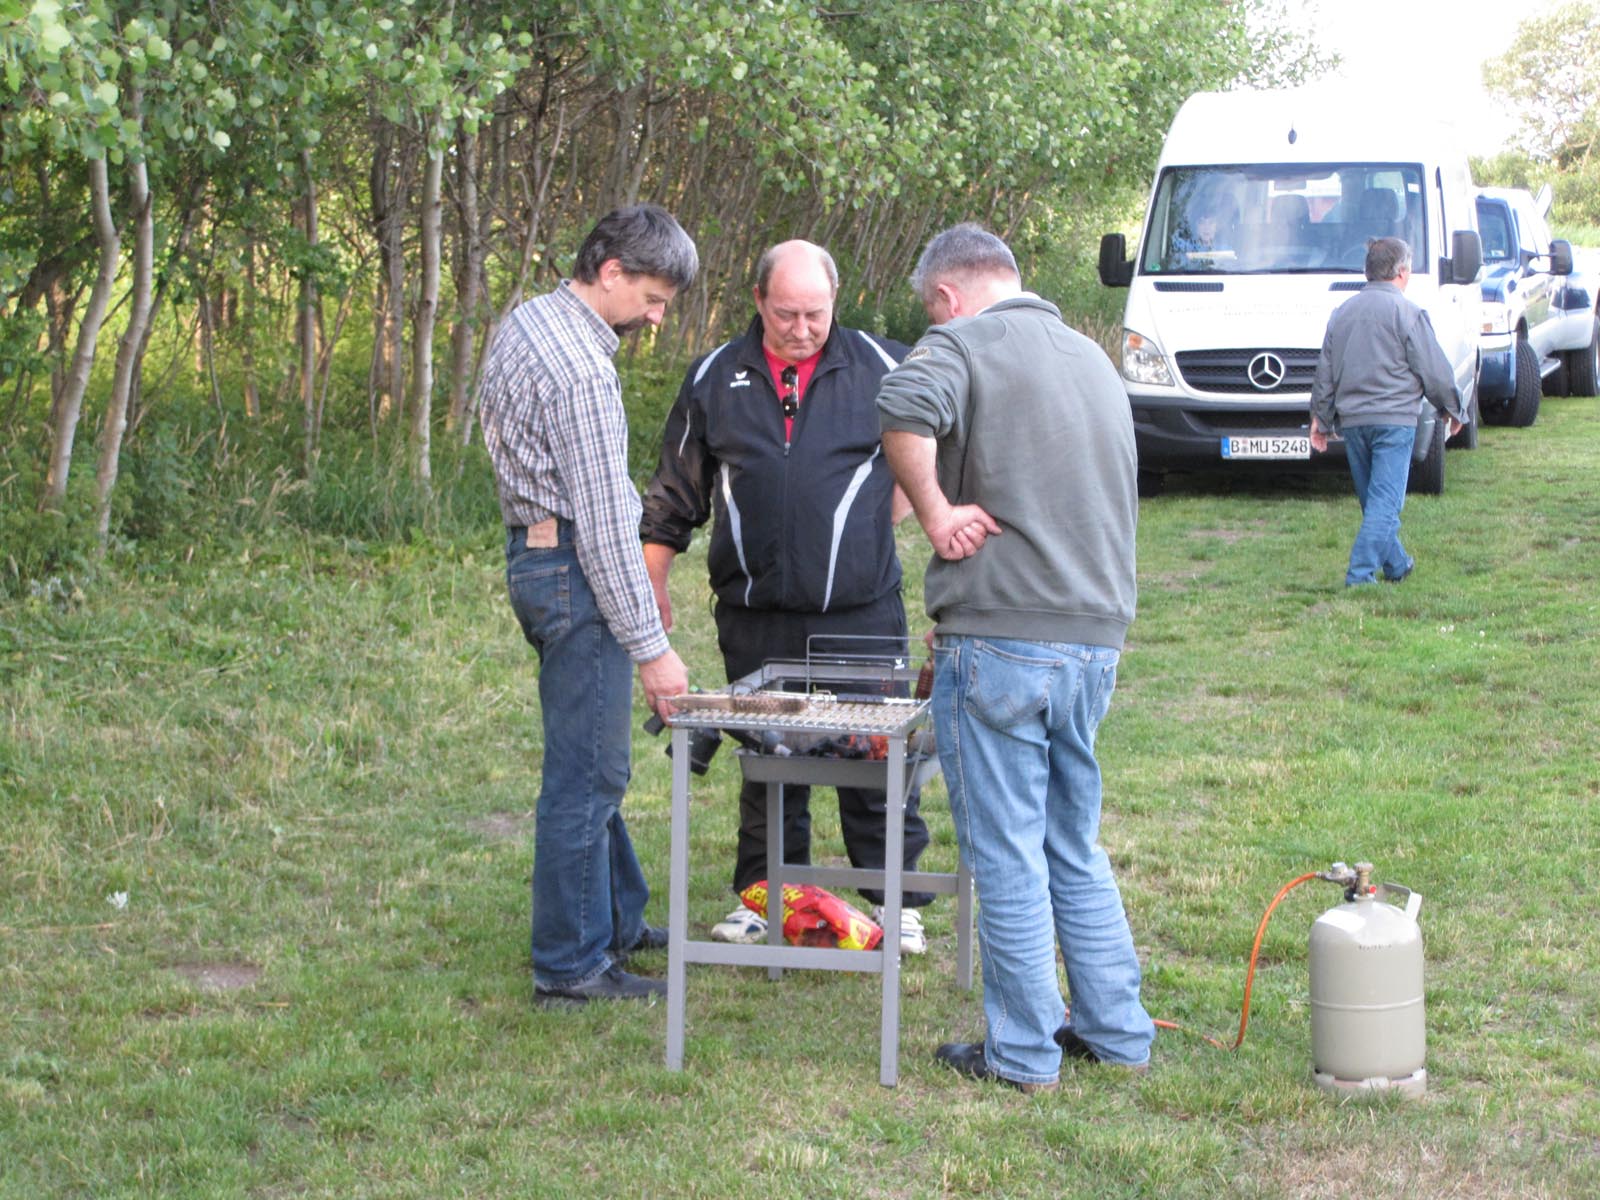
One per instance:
(1250,976)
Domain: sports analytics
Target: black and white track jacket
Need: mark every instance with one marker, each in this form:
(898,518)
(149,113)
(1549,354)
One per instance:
(802,526)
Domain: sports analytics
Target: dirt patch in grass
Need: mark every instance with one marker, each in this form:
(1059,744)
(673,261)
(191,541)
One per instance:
(503,827)
(1232,534)
(220,977)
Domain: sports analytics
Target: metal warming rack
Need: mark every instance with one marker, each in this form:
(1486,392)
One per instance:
(798,720)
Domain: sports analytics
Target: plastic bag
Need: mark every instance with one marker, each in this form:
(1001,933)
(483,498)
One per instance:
(814,916)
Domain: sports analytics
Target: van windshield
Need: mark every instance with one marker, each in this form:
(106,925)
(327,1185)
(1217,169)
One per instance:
(1263,219)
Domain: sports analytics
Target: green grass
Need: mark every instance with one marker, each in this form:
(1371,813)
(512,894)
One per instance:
(310,763)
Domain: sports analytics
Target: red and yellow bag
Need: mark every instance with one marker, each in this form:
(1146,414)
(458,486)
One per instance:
(813,916)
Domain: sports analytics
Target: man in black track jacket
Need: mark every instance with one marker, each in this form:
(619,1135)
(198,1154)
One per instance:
(775,437)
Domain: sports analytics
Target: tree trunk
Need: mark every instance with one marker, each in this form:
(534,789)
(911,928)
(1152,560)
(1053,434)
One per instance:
(388,185)
(252,394)
(208,351)
(65,427)
(469,286)
(129,349)
(427,315)
(59,305)
(308,324)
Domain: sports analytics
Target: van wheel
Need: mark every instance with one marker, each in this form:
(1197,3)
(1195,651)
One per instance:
(1525,404)
(1427,473)
(1583,366)
(1467,439)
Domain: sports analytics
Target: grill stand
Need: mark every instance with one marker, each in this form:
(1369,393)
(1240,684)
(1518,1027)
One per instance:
(895,775)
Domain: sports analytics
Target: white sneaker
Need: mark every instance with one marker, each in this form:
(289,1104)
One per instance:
(913,939)
(741,926)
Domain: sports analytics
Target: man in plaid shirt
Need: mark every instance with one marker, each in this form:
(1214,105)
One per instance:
(551,410)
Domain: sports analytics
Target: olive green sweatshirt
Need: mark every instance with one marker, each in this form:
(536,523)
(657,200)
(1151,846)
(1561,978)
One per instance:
(1032,423)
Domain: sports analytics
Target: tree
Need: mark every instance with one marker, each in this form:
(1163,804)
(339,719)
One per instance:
(1551,77)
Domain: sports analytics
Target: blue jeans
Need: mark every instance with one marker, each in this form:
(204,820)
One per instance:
(1015,722)
(1380,465)
(589,892)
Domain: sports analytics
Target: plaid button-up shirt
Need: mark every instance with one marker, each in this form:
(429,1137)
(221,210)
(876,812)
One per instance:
(551,409)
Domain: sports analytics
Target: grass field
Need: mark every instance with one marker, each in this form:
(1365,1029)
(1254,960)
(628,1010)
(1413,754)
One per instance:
(266,830)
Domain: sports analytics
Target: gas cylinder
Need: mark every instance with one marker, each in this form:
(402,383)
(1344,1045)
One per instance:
(1367,1029)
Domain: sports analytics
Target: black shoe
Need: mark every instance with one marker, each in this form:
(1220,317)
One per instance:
(967,1058)
(1073,1046)
(1411,565)
(651,937)
(611,984)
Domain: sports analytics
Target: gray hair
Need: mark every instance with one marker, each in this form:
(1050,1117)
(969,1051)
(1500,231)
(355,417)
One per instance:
(768,262)
(962,250)
(1386,258)
(645,239)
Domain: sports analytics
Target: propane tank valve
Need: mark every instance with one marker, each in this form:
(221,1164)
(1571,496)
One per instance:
(1356,881)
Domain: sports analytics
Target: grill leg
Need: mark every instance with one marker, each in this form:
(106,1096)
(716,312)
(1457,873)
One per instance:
(677,899)
(963,925)
(774,872)
(893,863)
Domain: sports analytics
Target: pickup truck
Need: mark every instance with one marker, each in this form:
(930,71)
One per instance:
(1540,331)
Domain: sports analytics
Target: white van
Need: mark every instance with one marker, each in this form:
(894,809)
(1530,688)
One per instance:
(1256,230)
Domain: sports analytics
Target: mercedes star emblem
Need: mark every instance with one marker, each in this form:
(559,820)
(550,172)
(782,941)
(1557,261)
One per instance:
(1265,372)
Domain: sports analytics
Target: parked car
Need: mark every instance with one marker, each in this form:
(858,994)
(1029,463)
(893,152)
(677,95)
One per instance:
(1540,332)
(1256,229)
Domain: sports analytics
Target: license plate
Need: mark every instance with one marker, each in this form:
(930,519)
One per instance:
(1266,447)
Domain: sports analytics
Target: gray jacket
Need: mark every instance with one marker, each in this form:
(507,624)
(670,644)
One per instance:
(1033,424)
(1379,359)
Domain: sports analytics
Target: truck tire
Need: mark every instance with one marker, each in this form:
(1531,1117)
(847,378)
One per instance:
(1555,383)
(1583,366)
(1427,473)
(1525,404)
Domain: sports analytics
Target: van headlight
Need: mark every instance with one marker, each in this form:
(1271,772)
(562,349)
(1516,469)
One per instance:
(1496,318)
(1142,360)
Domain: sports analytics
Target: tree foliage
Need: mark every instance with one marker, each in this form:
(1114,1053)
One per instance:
(1551,79)
(302,162)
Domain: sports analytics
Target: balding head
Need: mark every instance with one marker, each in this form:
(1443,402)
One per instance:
(796,283)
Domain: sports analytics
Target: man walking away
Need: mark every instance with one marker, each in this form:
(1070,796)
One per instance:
(1379,360)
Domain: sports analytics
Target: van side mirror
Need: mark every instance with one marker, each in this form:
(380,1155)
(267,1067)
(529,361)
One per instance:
(1466,258)
(1116,270)
(1561,257)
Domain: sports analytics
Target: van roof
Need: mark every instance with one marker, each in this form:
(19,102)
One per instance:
(1327,122)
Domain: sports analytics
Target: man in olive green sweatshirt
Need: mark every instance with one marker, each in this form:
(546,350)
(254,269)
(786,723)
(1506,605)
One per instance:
(1011,435)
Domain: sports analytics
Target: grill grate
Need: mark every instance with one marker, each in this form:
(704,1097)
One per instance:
(842,694)
(818,712)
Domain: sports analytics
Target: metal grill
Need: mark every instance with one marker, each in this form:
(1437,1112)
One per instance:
(791,717)
(817,712)
(843,693)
